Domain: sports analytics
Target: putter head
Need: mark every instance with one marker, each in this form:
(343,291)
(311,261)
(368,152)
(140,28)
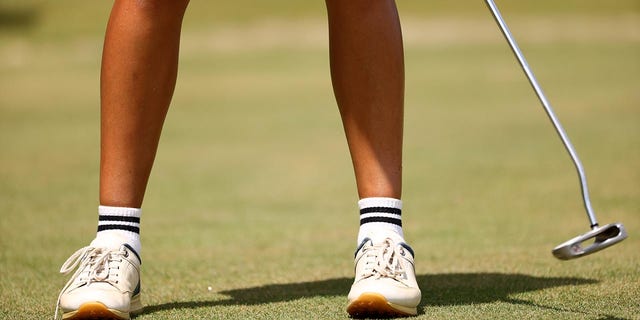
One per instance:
(602,237)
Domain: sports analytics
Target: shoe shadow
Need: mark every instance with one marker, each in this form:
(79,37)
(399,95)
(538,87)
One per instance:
(447,289)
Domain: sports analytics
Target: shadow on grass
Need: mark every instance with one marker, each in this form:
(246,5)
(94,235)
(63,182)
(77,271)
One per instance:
(448,289)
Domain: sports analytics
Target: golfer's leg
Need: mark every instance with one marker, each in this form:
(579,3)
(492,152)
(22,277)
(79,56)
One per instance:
(138,77)
(367,69)
(139,66)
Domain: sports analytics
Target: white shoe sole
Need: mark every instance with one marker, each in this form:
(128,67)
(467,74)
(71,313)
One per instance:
(375,305)
(97,310)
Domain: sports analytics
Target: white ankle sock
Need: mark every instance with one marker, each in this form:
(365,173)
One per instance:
(380,217)
(118,226)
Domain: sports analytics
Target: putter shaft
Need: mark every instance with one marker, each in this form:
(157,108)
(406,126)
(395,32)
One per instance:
(547,108)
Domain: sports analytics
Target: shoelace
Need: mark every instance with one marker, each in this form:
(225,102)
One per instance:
(92,266)
(383,260)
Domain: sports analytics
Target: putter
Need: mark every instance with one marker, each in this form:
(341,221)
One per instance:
(599,237)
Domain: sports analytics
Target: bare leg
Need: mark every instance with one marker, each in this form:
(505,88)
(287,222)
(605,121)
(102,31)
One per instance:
(139,67)
(367,69)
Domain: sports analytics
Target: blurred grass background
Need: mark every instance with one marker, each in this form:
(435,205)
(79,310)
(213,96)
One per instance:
(252,192)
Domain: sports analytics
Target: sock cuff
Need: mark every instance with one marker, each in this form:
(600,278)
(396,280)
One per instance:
(380,217)
(118,225)
(380,202)
(380,210)
(119,211)
(119,219)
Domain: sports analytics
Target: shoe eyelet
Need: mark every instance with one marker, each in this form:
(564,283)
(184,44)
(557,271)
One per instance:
(126,254)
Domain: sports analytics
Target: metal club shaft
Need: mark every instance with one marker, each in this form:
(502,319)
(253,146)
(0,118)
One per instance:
(547,108)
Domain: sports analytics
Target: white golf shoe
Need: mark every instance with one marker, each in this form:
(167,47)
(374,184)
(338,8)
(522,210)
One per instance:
(106,284)
(385,283)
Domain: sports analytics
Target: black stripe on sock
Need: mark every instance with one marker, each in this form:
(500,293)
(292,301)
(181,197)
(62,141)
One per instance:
(118,218)
(381,210)
(381,219)
(104,227)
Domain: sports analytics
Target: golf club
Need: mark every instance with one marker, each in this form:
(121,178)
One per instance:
(599,237)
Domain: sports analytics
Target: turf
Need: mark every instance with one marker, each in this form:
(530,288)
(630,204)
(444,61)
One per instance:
(252,192)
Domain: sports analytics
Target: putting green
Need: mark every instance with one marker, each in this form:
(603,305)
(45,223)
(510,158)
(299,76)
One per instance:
(252,193)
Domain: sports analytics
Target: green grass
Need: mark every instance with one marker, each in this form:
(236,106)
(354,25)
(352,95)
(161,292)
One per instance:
(252,192)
